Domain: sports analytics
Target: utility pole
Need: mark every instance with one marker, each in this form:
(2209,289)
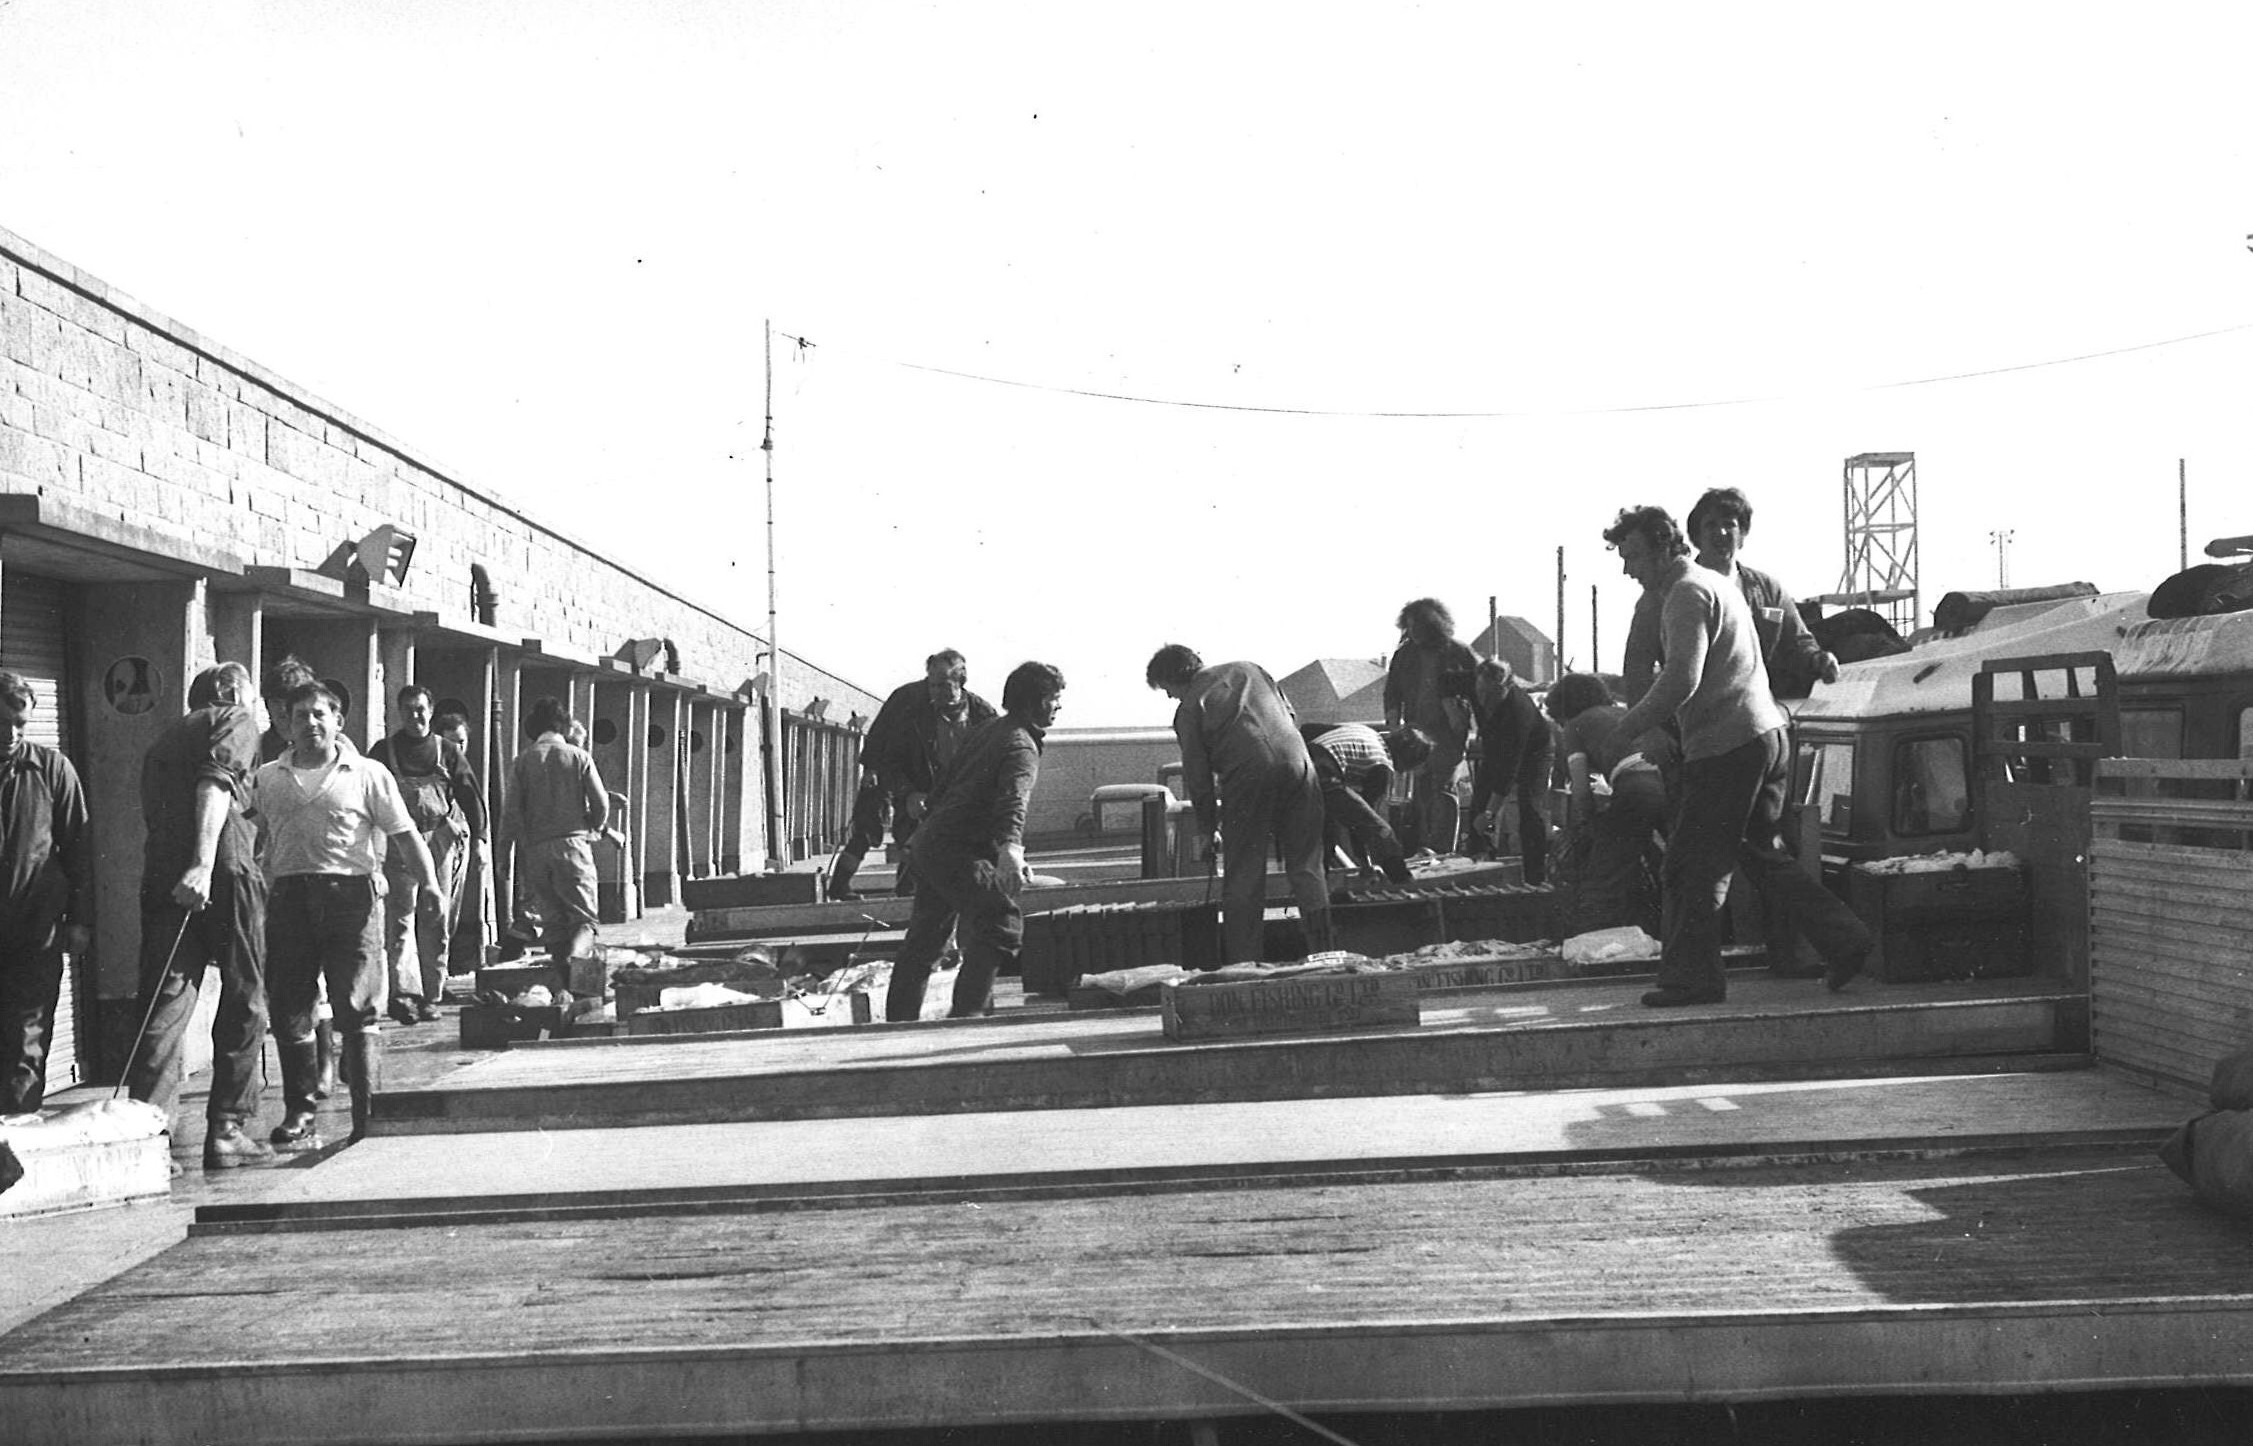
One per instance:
(771,707)
(2001,537)
(1560,650)
(1595,648)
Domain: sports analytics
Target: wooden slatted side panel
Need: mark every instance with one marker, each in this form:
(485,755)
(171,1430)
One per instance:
(2171,915)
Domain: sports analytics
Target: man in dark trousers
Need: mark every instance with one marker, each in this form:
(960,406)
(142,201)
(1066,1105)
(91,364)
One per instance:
(441,794)
(913,736)
(968,856)
(200,885)
(1355,765)
(1736,770)
(553,811)
(46,894)
(1237,731)
(1516,755)
(326,816)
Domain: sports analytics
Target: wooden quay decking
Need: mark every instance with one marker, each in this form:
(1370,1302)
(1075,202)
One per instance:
(1567,1200)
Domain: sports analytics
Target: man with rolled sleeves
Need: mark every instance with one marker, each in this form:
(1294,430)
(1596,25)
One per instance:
(46,894)
(324,813)
(203,904)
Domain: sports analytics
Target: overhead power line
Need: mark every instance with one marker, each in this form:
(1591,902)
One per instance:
(1437,415)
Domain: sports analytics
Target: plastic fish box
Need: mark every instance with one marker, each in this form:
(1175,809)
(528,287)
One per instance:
(1301,1004)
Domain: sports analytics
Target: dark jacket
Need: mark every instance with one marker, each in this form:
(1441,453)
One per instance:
(978,806)
(1404,676)
(46,851)
(1516,748)
(902,746)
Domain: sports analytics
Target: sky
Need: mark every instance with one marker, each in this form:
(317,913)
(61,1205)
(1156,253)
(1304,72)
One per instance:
(1232,325)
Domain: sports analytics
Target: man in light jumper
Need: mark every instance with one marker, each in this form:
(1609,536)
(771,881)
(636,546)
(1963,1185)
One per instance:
(555,808)
(1736,768)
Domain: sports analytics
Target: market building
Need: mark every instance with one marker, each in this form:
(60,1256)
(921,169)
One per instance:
(166,503)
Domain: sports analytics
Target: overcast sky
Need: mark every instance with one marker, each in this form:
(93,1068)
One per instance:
(1597,255)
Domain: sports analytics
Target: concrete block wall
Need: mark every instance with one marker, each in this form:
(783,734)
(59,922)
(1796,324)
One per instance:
(112,406)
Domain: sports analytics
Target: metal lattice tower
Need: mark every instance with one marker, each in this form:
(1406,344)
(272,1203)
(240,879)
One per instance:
(1881,538)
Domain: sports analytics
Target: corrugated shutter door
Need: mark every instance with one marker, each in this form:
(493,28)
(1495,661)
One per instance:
(31,646)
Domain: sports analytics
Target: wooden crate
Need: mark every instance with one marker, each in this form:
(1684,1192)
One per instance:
(745,891)
(1959,923)
(497,1026)
(760,1014)
(510,980)
(1318,1002)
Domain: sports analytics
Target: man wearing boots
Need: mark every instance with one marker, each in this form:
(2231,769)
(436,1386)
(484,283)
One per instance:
(203,903)
(324,810)
(914,736)
(441,794)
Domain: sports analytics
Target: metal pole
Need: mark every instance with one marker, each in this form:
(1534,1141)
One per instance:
(777,851)
(1595,648)
(2182,515)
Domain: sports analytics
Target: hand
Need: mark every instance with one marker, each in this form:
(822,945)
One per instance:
(1660,747)
(76,938)
(1012,871)
(194,889)
(1826,667)
(913,806)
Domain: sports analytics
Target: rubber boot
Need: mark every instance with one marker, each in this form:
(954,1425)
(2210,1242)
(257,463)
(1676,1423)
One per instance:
(841,876)
(324,1040)
(363,1075)
(301,1069)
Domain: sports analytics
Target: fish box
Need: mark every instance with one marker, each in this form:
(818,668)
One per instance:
(510,980)
(1959,923)
(746,891)
(719,1019)
(497,1026)
(1303,1003)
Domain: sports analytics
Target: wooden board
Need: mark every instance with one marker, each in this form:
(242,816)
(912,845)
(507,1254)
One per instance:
(1572,1036)
(801,1163)
(1770,1282)
(1318,1003)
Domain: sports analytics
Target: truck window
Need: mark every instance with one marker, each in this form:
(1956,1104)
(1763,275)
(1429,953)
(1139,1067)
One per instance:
(1830,785)
(1931,792)
(2151,732)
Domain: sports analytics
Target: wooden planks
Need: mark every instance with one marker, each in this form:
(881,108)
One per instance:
(1298,1004)
(1115,1152)
(1569,1037)
(1759,1283)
